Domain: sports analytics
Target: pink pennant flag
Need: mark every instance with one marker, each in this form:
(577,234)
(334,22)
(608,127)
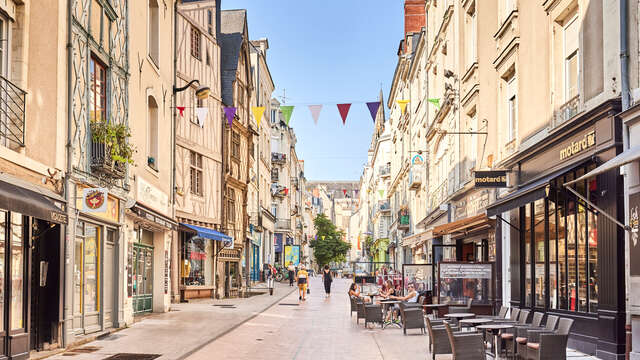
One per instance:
(230,112)
(344,111)
(315,112)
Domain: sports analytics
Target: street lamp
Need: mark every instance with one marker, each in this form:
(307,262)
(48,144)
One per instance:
(202,92)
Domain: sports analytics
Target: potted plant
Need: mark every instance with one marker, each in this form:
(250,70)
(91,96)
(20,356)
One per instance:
(117,149)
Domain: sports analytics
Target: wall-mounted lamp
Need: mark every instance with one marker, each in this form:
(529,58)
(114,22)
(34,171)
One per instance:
(202,92)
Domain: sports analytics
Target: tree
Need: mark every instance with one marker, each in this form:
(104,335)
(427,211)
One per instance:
(328,246)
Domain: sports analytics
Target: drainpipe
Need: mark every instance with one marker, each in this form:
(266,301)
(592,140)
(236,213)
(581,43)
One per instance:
(67,325)
(175,291)
(624,75)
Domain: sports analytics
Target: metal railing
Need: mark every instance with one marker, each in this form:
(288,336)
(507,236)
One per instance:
(384,206)
(566,111)
(385,170)
(274,175)
(12,109)
(101,161)
(278,158)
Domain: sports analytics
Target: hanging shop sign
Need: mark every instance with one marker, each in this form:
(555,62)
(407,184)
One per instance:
(492,179)
(634,244)
(417,160)
(292,254)
(94,200)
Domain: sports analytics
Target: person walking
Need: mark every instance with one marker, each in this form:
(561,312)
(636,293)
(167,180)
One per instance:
(327,279)
(303,282)
(292,272)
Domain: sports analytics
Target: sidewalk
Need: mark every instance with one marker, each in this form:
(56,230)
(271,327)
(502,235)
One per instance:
(183,330)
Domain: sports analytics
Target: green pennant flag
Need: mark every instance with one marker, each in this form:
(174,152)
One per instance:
(435,101)
(286,112)
(381,192)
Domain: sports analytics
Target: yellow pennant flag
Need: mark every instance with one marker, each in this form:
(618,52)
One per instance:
(258,111)
(323,237)
(403,105)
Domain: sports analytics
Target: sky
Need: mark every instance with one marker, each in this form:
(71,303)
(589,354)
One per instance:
(328,52)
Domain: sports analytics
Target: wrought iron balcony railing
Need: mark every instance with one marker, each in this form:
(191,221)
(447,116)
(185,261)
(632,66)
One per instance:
(566,111)
(385,170)
(102,162)
(12,110)
(278,158)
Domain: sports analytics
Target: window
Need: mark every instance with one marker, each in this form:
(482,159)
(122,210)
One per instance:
(195,43)
(235,145)
(195,256)
(86,269)
(512,113)
(16,316)
(210,21)
(196,174)
(471,26)
(97,91)
(231,205)
(273,116)
(154,32)
(571,57)
(152,133)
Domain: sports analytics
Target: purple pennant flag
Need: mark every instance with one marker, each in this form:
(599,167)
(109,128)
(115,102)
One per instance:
(230,112)
(373,109)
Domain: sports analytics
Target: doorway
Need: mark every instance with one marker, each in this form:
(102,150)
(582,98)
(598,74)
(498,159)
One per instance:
(86,278)
(231,278)
(255,263)
(45,285)
(143,272)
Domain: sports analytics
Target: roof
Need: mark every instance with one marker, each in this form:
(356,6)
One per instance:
(232,30)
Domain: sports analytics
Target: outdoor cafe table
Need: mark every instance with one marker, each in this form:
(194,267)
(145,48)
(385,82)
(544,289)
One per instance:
(386,304)
(372,296)
(494,329)
(434,308)
(475,322)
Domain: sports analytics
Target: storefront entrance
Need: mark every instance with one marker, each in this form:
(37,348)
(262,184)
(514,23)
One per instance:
(86,275)
(142,278)
(255,262)
(232,278)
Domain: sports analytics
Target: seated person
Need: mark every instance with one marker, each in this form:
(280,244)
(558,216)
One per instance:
(387,294)
(355,293)
(411,297)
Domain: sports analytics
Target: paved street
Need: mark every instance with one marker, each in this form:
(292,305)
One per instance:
(262,327)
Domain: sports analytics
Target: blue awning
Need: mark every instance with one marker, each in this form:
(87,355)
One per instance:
(209,233)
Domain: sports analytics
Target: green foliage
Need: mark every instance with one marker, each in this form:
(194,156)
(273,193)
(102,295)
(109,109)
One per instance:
(114,137)
(368,244)
(328,247)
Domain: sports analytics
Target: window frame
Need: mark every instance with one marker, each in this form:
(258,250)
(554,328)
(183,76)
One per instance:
(196,43)
(235,145)
(153,38)
(94,64)
(196,172)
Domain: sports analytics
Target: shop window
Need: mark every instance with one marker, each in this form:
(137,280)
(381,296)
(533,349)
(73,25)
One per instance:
(539,251)
(154,32)
(527,264)
(194,257)
(553,251)
(196,173)
(3,233)
(86,269)
(195,43)
(97,91)
(17,272)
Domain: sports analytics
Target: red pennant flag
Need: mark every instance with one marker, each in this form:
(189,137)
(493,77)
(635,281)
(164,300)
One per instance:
(286,191)
(181,109)
(344,192)
(344,111)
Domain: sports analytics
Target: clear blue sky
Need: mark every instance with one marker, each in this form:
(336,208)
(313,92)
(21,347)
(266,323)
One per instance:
(328,52)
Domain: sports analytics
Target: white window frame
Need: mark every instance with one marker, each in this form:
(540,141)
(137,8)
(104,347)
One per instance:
(566,56)
(153,55)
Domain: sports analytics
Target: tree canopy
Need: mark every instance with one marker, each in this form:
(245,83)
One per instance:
(328,245)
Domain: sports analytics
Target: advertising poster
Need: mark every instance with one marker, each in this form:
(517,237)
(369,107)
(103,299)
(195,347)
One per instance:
(292,254)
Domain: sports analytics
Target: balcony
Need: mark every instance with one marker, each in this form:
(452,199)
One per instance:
(385,171)
(415,178)
(283,224)
(295,182)
(102,162)
(403,219)
(299,225)
(384,206)
(566,111)
(278,158)
(12,110)
(279,191)
(274,175)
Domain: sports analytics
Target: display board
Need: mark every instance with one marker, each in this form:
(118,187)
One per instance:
(420,275)
(458,282)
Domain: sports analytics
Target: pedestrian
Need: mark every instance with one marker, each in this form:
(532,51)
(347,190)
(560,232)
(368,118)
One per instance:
(327,279)
(292,272)
(303,282)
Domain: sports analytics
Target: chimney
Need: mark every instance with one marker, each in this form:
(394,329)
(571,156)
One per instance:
(414,16)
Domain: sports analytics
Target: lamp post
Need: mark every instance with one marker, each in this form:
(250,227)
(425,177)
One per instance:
(201,91)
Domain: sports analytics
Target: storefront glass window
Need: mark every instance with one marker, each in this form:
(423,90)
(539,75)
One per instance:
(3,232)
(582,258)
(539,236)
(553,251)
(193,262)
(593,261)
(91,268)
(527,256)
(17,271)
(571,250)
(77,270)
(562,251)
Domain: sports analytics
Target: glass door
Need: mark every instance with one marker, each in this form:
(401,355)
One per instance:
(142,278)
(87,275)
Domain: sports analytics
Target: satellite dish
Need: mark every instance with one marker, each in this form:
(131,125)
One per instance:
(129,203)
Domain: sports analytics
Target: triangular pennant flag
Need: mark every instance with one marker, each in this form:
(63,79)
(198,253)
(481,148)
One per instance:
(230,112)
(356,191)
(286,112)
(435,101)
(344,191)
(381,192)
(201,114)
(315,112)
(344,111)
(286,191)
(258,111)
(323,237)
(181,109)
(403,105)
(373,109)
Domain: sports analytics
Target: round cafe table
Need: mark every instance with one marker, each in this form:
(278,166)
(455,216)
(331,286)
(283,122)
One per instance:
(386,304)
(474,322)
(435,308)
(457,316)
(494,329)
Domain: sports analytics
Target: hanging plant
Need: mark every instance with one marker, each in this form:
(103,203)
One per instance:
(115,139)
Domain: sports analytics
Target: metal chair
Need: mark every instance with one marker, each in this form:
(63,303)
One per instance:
(521,335)
(465,346)
(544,345)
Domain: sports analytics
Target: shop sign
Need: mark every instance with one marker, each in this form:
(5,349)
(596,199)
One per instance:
(417,160)
(166,272)
(578,146)
(152,196)
(491,179)
(465,271)
(108,212)
(292,254)
(94,200)
(634,223)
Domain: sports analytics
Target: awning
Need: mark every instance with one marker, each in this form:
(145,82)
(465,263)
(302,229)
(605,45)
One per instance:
(153,217)
(621,159)
(31,200)
(464,226)
(209,233)
(418,239)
